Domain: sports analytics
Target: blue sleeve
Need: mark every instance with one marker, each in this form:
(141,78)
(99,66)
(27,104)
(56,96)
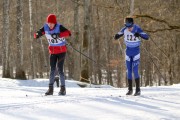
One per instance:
(121,32)
(142,34)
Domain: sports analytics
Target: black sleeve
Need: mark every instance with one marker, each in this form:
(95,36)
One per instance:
(41,31)
(117,36)
(62,28)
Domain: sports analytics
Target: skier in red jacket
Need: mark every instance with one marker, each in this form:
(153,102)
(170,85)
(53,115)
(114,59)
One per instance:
(55,34)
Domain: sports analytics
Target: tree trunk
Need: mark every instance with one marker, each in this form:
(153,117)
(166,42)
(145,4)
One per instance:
(76,43)
(5,40)
(86,37)
(31,40)
(45,67)
(20,73)
(97,47)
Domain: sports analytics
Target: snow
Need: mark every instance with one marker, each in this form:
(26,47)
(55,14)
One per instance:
(25,100)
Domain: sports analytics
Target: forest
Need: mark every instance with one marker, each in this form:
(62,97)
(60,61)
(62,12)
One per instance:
(93,24)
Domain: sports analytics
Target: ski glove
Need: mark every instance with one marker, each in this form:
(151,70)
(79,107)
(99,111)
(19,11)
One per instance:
(117,36)
(38,34)
(55,35)
(136,34)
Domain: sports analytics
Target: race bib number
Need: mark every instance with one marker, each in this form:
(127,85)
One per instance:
(55,42)
(131,38)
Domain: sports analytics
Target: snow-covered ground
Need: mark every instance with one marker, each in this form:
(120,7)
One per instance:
(24,100)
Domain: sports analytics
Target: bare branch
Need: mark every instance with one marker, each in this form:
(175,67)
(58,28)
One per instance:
(170,27)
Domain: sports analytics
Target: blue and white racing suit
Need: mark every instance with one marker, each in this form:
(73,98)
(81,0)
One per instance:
(132,49)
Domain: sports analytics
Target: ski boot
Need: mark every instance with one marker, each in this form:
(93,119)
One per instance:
(62,90)
(138,91)
(130,90)
(50,91)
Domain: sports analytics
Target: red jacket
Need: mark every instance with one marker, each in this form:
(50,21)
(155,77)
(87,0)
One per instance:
(56,49)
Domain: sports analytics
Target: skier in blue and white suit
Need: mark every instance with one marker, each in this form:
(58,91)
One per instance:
(132,34)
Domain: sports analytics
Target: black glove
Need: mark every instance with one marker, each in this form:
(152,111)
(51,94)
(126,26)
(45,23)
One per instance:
(38,34)
(117,36)
(136,34)
(55,35)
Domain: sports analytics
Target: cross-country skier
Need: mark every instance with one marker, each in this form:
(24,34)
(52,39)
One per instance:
(55,34)
(132,34)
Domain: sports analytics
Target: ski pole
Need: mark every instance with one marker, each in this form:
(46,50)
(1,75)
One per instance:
(154,64)
(158,47)
(83,54)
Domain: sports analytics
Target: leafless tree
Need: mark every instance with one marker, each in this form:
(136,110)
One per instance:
(5,40)
(20,73)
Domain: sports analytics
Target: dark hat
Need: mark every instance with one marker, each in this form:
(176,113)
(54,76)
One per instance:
(128,22)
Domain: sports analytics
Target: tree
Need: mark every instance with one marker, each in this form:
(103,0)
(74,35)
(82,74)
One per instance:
(31,40)
(76,56)
(20,73)
(86,38)
(5,40)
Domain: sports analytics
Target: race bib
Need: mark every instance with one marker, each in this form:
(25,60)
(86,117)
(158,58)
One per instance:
(130,39)
(55,42)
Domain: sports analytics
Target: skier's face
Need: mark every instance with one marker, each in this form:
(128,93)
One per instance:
(130,28)
(51,25)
